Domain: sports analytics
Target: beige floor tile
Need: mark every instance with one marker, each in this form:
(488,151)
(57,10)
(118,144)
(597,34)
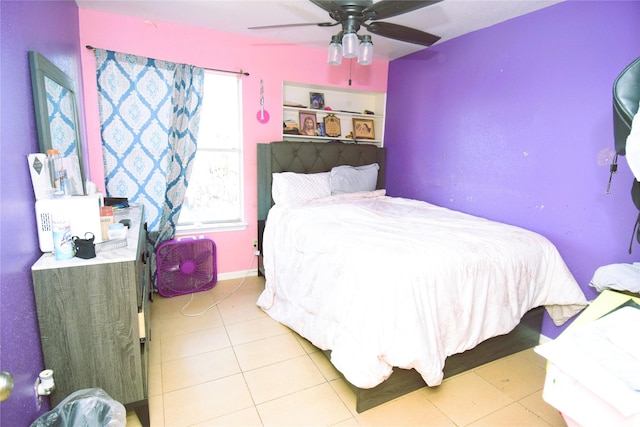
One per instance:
(251,283)
(252,330)
(315,406)
(155,353)
(244,418)
(513,415)
(206,401)
(234,312)
(325,366)
(200,304)
(291,388)
(351,422)
(161,305)
(192,343)
(251,286)
(413,409)
(156,411)
(516,375)
(346,394)
(466,398)
(536,404)
(277,380)
(256,354)
(309,348)
(534,357)
(243,293)
(237,291)
(132,419)
(155,379)
(174,322)
(193,370)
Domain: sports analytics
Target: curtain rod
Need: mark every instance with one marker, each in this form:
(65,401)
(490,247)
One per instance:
(208,69)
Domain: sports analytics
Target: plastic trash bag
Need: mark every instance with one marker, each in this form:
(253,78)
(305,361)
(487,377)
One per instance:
(91,407)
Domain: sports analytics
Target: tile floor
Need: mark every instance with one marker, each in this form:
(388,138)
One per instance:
(235,366)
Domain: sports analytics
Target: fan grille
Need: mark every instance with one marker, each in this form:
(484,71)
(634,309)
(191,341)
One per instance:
(186,266)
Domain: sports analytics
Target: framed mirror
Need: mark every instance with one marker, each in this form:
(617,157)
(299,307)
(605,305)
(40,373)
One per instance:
(55,101)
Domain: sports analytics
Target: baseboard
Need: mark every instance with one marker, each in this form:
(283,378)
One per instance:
(237,274)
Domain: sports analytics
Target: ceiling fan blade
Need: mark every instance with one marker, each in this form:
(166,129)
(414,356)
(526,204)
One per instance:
(402,33)
(319,24)
(388,8)
(335,10)
(328,5)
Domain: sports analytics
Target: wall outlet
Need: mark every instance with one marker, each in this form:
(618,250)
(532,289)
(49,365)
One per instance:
(255,243)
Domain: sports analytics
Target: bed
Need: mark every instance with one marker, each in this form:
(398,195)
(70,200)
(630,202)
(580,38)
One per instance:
(382,285)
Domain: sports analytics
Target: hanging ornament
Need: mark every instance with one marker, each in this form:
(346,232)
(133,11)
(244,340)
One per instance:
(263,115)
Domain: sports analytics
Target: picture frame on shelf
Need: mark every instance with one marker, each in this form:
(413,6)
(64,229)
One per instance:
(316,100)
(363,129)
(332,126)
(308,123)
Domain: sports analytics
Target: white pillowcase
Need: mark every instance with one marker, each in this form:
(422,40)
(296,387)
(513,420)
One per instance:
(350,179)
(290,187)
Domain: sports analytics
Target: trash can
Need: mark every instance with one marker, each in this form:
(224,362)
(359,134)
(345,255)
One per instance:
(91,407)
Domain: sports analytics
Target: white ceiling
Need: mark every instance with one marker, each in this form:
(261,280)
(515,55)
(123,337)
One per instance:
(447,19)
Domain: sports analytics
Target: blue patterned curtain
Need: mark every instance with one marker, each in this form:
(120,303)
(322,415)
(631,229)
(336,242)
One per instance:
(149,114)
(135,98)
(183,136)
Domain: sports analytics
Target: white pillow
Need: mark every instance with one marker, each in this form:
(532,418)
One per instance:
(289,187)
(350,179)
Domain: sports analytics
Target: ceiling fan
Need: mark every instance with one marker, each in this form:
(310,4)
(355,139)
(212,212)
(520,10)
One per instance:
(354,14)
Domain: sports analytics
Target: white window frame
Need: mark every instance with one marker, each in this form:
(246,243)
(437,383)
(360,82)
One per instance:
(230,224)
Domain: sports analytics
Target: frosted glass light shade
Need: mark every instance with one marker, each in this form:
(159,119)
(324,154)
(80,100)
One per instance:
(365,53)
(335,54)
(350,45)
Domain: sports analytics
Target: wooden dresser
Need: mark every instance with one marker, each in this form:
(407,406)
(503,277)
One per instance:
(94,319)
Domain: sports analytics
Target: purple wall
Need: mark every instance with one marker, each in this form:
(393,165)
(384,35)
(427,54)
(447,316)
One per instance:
(514,123)
(50,27)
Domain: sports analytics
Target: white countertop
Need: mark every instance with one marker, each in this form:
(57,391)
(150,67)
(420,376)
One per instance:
(128,253)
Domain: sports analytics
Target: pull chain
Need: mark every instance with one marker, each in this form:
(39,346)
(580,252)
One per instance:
(612,169)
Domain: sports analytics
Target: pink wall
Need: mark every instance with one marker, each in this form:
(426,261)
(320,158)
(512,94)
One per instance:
(271,62)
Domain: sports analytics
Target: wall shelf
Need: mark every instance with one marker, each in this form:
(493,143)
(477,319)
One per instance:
(345,104)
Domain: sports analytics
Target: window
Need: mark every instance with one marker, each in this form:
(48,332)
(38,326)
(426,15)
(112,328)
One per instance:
(214,196)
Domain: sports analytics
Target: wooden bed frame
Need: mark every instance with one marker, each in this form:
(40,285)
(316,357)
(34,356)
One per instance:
(315,157)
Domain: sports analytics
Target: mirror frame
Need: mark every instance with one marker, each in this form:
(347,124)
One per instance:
(41,68)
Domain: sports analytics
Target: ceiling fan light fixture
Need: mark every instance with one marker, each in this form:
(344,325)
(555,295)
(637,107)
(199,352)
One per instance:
(365,52)
(335,51)
(350,45)
(355,14)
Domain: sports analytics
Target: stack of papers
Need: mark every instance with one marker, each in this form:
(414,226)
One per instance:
(602,359)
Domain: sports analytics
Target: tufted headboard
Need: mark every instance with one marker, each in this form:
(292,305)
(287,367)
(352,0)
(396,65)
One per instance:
(310,157)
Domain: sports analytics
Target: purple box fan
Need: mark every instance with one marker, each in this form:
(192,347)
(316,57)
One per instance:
(186,266)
